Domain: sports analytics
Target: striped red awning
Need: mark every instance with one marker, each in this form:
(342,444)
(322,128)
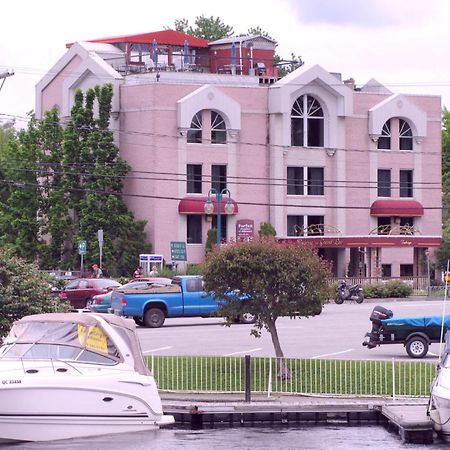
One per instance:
(402,208)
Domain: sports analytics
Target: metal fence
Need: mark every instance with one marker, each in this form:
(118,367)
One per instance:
(420,285)
(301,376)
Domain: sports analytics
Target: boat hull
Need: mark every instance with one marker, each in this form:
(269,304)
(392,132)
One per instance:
(67,405)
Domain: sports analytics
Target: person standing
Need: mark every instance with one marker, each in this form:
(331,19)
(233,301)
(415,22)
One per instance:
(138,273)
(154,272)
(96,271)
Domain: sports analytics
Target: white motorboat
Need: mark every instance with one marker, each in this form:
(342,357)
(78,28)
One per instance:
(439,406)
(66,375)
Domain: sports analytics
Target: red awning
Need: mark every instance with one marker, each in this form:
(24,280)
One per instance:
(196,205)
(402,208)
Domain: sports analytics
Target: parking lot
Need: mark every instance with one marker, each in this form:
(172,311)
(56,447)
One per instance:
(337,333)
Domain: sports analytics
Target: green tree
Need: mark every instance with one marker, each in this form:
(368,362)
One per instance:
(209,28)
(21,206)
(211,240)
(93,175)
(442,254)
(277,279)
(23,291)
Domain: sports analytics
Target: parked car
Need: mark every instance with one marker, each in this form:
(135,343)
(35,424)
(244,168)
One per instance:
(80,291)
(102,302)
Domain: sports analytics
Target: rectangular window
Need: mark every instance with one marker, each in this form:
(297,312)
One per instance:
(223,223)
(406,270)
(218,177)
(315,181)
(194,178)
(297,133)
(295,181)
(194,229)
(295,225)
(315,132)
(384,225)
(315,225)
(386,270)
(384,183)
(406,183)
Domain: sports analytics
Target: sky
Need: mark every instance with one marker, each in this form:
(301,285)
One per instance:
(401,43)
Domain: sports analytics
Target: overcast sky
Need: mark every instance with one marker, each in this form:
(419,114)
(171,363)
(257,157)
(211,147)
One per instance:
(401,43)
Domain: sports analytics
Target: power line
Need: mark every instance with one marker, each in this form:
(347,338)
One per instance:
(202,201)
(209,141)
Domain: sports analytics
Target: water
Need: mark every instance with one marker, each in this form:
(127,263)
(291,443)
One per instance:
(311,437)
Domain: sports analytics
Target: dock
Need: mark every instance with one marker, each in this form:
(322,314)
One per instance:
(407,417)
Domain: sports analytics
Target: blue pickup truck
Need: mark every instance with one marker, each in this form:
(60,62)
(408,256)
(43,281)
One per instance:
(185,297)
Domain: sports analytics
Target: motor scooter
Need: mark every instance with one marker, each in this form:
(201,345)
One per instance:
(351,292)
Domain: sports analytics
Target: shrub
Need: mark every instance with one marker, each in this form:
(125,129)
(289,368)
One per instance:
(23,291)
(394,288)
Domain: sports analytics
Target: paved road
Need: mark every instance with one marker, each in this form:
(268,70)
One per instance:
(337,333)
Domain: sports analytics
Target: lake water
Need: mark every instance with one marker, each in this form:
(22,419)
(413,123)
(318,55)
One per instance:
(311,437)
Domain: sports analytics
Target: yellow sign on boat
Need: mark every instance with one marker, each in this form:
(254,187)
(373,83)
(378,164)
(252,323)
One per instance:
(95,339)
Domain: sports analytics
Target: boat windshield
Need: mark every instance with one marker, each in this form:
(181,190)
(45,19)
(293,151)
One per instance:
(60,340)
(54,352)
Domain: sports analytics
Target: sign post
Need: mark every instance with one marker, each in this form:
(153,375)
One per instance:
(82,248)
(100,244)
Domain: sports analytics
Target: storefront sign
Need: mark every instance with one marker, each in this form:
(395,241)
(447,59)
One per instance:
(245,230)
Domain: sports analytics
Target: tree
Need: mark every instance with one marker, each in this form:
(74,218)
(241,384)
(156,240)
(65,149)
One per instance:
(93,175)
(21,207)
(23,291)
(443,252)
(61,185)
(276,280)
(209,28)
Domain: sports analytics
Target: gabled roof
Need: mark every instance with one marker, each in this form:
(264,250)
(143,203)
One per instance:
(164,37)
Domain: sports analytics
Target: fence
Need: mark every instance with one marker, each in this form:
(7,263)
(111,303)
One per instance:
(420,285)
(304,376)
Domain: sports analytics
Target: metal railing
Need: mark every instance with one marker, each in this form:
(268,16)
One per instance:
(419,284)
(300,376)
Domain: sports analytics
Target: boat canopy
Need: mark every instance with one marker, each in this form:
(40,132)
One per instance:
(105,334)
(423,321)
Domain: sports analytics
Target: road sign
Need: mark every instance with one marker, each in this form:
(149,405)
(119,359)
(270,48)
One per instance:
(178,251)
(82,246)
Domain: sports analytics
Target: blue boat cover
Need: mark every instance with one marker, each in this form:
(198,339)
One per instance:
(423,321)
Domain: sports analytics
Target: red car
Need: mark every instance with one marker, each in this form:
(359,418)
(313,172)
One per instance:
(80,291)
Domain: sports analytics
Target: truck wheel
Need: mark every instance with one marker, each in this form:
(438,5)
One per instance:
(417,347)
(247,318)
(139,321)
(154,318)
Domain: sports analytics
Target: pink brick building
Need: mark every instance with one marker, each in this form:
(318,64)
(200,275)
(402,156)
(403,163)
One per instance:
(354,171)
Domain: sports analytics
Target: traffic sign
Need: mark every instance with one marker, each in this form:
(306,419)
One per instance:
(178,251)
(82,247)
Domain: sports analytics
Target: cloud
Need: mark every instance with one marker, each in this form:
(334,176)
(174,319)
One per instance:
(362,13)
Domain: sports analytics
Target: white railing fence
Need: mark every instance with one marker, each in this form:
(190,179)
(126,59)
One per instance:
(299,376)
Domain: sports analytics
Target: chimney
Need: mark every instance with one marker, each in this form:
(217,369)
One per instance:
(350,83)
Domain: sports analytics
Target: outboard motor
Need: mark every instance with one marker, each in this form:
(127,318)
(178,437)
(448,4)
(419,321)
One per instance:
(379,313)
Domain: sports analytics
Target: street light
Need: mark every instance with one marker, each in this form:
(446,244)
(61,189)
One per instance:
(209,208)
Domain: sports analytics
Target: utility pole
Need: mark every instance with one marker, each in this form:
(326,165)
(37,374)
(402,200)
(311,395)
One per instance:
(4,75)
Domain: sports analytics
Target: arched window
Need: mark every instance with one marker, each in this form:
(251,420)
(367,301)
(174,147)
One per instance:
(307,122)
(218,129)
(195,133)
(405,135)
(384,141)
(215,133)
